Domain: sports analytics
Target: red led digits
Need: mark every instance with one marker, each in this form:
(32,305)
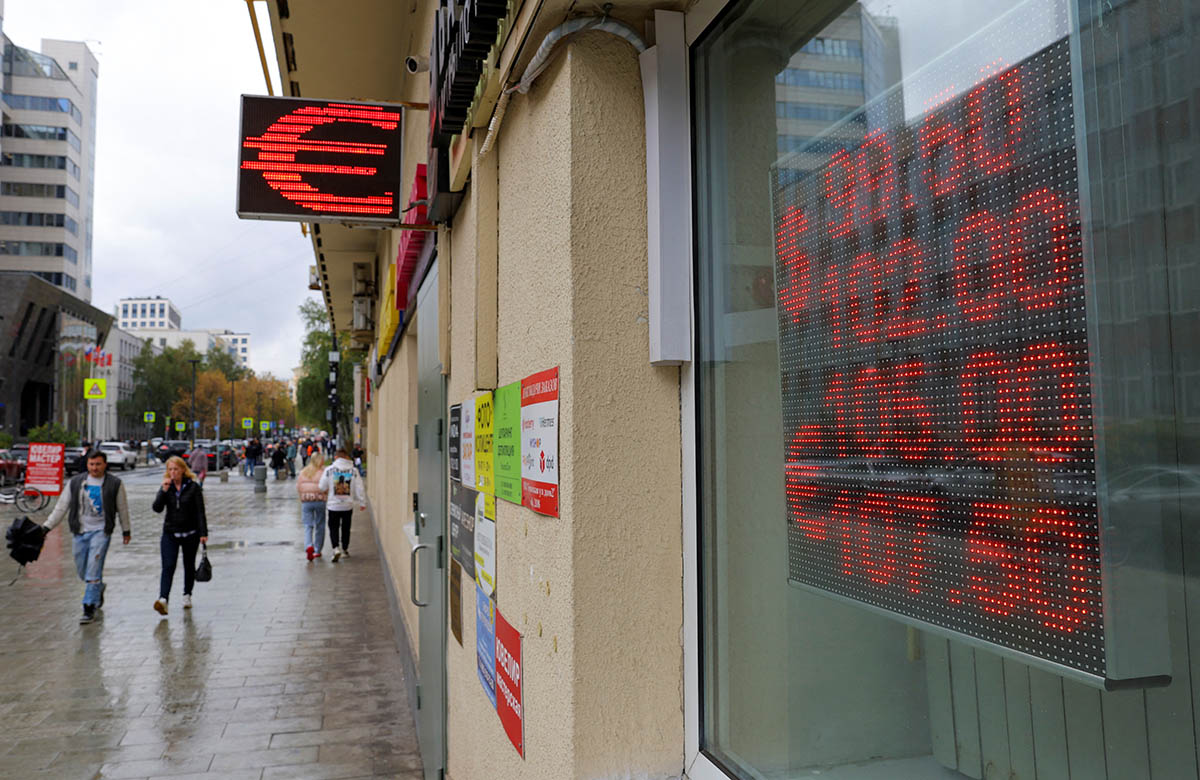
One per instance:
(795,290)
(286,137)
(994,134)
(1043,236)
(934,355)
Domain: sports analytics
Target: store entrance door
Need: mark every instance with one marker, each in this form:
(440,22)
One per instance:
(428,579)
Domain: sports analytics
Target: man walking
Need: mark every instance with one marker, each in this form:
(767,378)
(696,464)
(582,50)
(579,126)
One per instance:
(91,503)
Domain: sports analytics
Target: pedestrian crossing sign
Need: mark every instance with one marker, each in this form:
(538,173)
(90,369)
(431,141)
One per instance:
(247,422)
(148,417)
(95,389)
(181,426)
(264,425)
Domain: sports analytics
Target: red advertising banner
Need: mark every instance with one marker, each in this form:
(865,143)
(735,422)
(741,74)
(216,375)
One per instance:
(539,442)
(508,683)
(44,468)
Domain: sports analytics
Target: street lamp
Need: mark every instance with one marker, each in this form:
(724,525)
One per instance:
(192,423)
(258,406)
(232,407)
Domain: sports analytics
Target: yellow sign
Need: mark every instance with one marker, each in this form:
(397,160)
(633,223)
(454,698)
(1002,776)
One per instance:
(247,422)
(485,480)
(95,389)
(181,426)
(147,416)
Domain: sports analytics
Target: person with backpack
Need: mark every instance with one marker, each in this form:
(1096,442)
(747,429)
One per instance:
(312,505)
(185,528)
(91,503)
(342,484)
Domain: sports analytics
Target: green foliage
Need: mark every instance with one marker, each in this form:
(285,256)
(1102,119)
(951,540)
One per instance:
(54,433)
(227,364)
(312,397)
(6,440)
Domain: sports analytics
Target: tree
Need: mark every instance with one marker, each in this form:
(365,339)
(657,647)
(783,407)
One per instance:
(222,360)
(212,384)
(312,392)
(54,433)
(157,379)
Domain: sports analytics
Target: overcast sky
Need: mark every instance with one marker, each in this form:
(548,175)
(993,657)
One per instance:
(166,159)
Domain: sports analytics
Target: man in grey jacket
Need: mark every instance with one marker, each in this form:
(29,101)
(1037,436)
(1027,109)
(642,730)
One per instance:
(91,503)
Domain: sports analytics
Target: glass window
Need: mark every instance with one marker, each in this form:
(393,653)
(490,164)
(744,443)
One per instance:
(948,322)
(37,190)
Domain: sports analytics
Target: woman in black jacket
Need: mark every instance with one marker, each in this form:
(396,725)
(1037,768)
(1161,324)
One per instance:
(184,528)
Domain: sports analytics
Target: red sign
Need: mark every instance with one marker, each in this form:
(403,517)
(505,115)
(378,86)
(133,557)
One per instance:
(539,442)
(319,160)
(935,368)
(508,682)
(44,468)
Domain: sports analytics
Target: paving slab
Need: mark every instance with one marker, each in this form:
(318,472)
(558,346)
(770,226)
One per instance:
(283,668)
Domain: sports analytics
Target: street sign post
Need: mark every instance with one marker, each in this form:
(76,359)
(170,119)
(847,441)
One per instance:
(181,426)
(248,423)
(95,389)
(148,417)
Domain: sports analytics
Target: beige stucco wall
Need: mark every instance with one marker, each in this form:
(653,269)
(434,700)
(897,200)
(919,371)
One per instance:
(597,592)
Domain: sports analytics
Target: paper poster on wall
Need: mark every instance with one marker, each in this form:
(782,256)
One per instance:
(485,643)
(456,601)
(484,479)
(485,542)
(539,442)
(462,527)
(508,683)
(507,442)
(455,446)
(467,444)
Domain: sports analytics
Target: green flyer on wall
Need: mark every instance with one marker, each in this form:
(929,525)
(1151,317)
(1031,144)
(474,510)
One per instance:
(507,442)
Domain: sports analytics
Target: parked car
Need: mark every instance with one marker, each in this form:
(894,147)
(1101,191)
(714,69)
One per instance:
(228,458)
(74,460)
(10,468)
(21,453)
(171,447)
(119,455)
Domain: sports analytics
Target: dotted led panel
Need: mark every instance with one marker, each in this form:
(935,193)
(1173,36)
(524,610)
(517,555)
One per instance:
(319,160)
(935,369)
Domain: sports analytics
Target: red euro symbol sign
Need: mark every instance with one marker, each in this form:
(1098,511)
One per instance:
(287,137)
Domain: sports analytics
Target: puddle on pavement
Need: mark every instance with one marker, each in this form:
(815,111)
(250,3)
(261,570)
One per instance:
(244,543)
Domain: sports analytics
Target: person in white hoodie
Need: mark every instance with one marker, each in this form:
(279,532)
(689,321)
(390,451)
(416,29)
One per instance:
(342,484)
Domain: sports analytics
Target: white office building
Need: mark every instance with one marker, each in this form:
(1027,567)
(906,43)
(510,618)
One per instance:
(238,345)
(47,162)
(109,424)
(156,313)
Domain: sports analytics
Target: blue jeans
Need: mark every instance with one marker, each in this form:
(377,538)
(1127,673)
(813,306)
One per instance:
(313,514)
(90,549)
(170,547)
(250,464)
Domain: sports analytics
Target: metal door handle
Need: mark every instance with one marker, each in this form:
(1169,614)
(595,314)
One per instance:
(412,571)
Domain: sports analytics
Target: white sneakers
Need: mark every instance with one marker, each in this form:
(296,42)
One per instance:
(345,553)
(337,553)
(187,602)
(160,606)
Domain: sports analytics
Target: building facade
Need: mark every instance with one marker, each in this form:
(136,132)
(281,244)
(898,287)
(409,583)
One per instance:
(853,347)
(155,313)
(121,348)
(237,344)
(47,166)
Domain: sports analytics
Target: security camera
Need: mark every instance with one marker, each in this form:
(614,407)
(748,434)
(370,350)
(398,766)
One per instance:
(416,63)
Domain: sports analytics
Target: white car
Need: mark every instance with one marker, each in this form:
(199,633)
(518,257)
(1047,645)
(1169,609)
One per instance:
(119,454)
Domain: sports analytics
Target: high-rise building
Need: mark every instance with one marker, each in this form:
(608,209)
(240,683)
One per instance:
(238,344)
(47,162)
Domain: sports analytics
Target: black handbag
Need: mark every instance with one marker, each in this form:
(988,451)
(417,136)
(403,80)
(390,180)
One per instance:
(204,568)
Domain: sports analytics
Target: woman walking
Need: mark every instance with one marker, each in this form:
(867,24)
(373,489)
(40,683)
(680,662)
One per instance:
(312,505)
(185,528)
(343,484)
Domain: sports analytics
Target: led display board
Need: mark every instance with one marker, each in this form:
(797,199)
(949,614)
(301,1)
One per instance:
(936,370)
(319,161)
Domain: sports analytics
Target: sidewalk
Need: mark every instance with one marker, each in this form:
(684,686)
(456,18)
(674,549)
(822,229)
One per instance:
(284,669)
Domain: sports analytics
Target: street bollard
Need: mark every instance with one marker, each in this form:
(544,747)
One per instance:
(280,474)
(260,479)
(224,473)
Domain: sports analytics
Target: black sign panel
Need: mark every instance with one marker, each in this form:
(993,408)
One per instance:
(935,367)
(462,527)
(455,446)
(319,160)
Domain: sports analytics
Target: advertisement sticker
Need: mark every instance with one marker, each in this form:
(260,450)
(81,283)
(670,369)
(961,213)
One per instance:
(44,468)
(507,442)
(462,527)
(508,683)
(466,448)
(485,643)
(484,479)
(455,446)
(539,442)
(485,542)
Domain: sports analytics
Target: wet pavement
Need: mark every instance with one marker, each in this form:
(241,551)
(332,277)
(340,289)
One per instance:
(283,669)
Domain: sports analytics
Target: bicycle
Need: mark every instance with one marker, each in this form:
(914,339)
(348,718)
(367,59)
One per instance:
(26,499)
